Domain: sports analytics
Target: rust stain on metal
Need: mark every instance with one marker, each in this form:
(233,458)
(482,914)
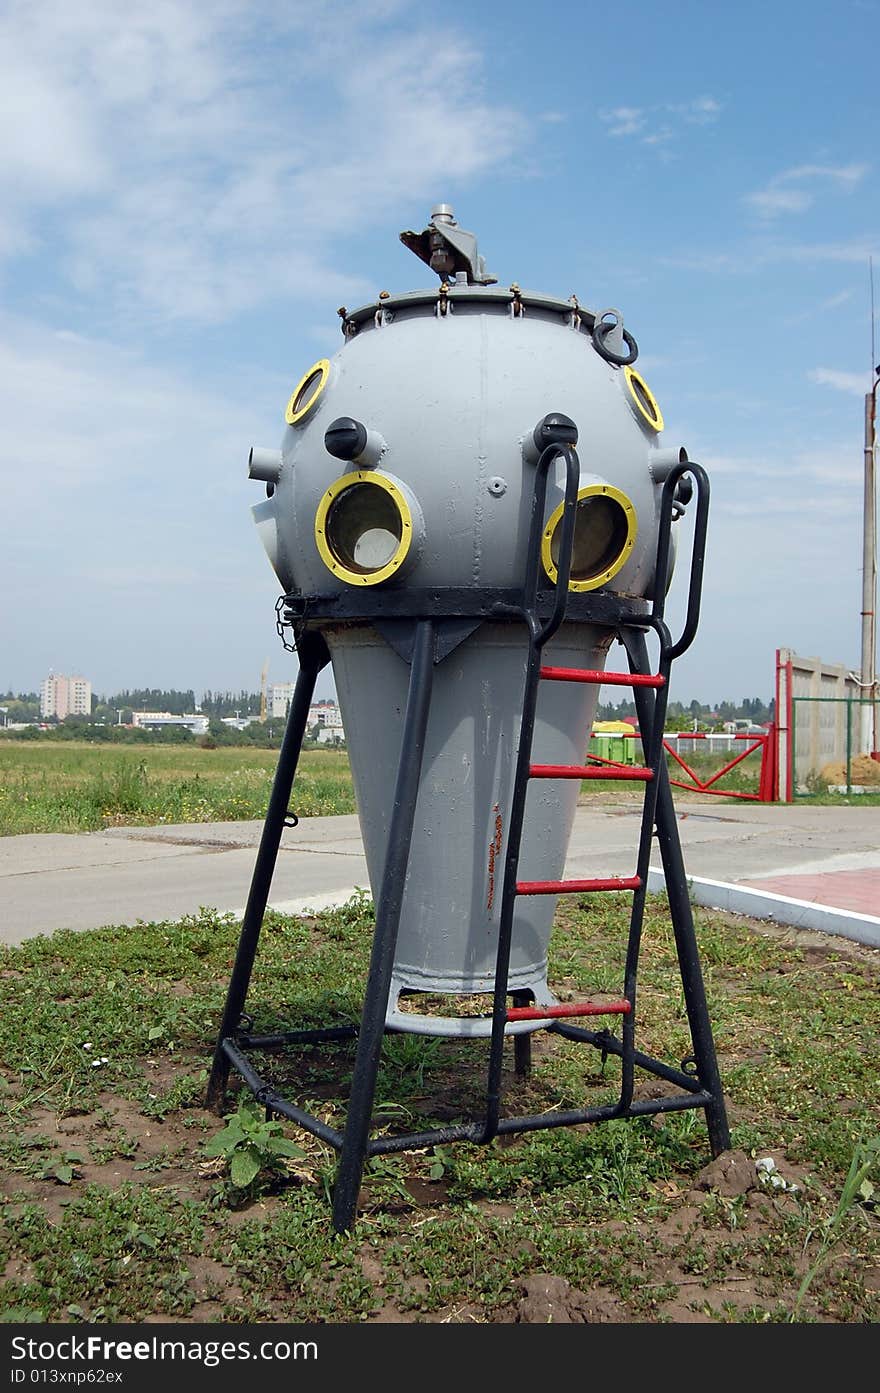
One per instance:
(494,853)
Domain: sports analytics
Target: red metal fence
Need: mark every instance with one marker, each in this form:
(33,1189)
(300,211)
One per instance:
(765,742)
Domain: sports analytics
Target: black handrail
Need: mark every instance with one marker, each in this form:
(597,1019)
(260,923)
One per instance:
(566,545)
(698,551)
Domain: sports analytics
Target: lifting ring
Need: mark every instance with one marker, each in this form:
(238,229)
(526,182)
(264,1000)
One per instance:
(601,330)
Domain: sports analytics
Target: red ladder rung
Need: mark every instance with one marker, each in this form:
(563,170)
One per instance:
(563,887)
(587,771)
(571,1008)
(610,679)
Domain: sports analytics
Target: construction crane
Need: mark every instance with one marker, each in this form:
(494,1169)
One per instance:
(263,676)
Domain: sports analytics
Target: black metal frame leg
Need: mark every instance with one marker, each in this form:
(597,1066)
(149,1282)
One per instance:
(390,903)
(313,656)
(681,915)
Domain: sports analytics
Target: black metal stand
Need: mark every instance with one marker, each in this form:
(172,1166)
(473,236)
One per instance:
(355,1142)
(697,1078)
(313,656)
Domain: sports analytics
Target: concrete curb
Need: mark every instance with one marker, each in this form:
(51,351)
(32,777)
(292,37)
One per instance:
(760,904)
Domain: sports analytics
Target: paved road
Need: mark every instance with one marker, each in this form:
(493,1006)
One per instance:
(830,856)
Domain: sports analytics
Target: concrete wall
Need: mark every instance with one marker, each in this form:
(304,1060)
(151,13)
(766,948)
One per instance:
(814,701)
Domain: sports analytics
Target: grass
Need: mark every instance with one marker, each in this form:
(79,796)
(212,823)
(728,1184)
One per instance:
(79,787)
(114,1207)
(823,798)
(83,788)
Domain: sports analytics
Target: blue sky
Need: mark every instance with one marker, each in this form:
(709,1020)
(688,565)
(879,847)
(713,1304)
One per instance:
(188,193)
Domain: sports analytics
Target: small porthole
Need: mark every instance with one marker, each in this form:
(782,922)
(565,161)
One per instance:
(307,392)
(363,528)
(643,399)
(604,536)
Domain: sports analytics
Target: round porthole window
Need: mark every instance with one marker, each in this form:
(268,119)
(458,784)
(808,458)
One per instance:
(363,528)
(604,536)
(307,392)
(643,400)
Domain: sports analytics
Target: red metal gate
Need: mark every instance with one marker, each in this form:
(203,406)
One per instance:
(765,742)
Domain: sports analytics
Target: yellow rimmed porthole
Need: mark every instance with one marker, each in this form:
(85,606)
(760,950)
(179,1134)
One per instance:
(364,527)
(643,399)
(604,536)
(307,392)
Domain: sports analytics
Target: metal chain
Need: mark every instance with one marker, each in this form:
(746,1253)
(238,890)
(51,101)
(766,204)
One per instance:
(282,623)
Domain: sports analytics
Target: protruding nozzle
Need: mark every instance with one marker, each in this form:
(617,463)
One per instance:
(662,464)
(265,465)
(664,461)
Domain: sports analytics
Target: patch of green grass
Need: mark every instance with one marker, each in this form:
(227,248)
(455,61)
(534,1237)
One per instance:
(827,799)
(113,1255)
(113,1206)
(76,787)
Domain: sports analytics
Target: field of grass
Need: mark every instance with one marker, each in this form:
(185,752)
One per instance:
(119,1198)
(81,788)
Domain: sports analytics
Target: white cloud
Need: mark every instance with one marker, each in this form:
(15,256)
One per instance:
(179,152)
(785,192)
(832,462)
(660,137)
(857,251)
(659,123)
(701,111)
(753,255)
(126,529)
(819,307)
(92,422)
(769,202)
(856,384)
(846,175)
(623,120)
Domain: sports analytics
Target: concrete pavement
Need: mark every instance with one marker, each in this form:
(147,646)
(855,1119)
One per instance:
(813,867)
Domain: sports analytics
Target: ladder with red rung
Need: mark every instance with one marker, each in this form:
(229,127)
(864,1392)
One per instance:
(698,1078)
(589,885)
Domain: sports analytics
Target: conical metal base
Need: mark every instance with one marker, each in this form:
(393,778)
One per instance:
(448,935)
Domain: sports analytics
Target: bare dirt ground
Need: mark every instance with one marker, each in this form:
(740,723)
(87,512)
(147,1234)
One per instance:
(683,1248)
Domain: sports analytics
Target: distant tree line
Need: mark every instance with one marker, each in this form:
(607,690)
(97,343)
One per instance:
(148,699)
(681,716)
(20,706)
(116,711)
(119,706)
(230,703)
(178,703)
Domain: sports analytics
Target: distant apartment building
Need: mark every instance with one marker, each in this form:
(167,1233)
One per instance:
(62,696)
(280,697)
(328,718)
(323,714)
